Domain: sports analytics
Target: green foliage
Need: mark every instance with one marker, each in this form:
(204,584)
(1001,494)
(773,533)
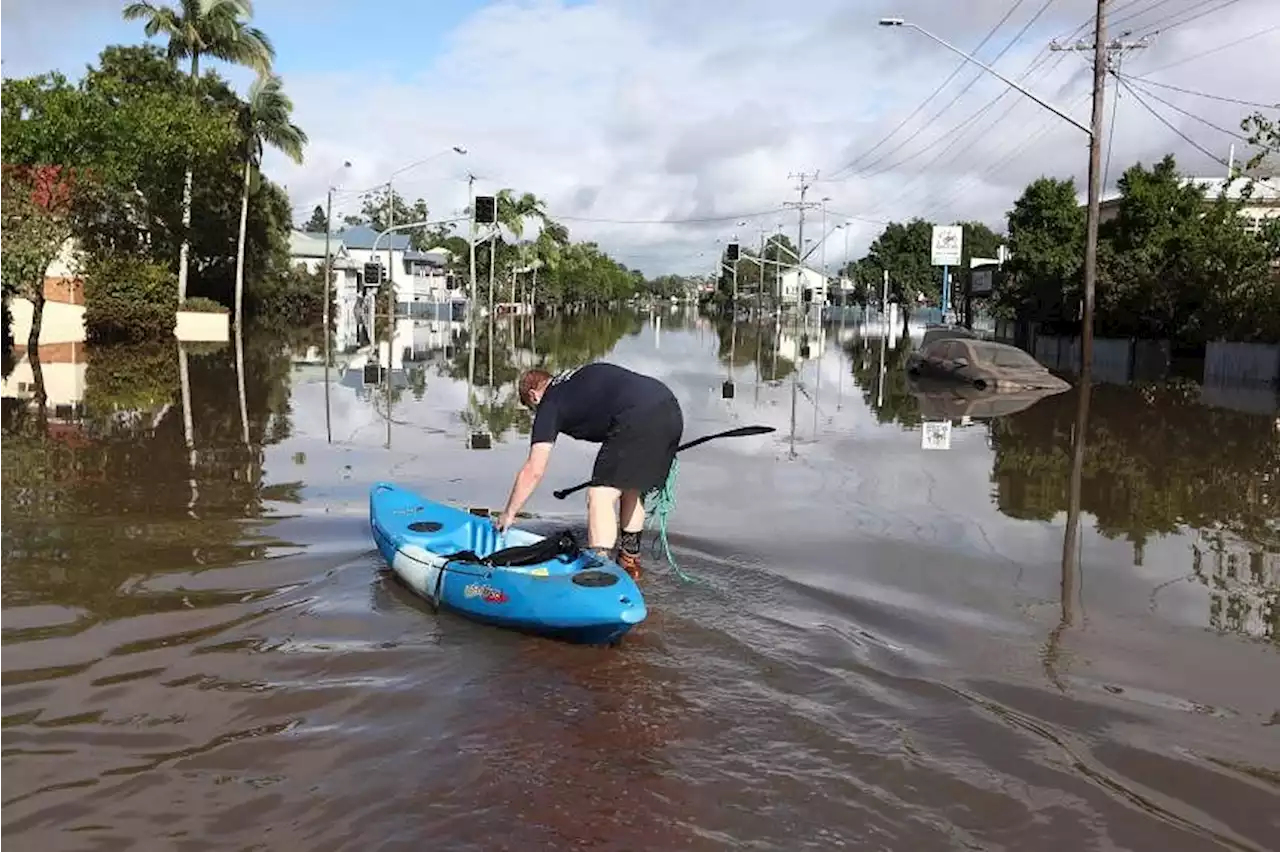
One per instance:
(1156,459)
(1172,263)
(317,224)
(375,213)
(128,298)
(291,300)
(136,123)
(205,306)
(131,377)
(904,250)
(1046,241)
(39,205)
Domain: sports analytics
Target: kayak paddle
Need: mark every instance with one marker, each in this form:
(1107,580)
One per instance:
(740,432)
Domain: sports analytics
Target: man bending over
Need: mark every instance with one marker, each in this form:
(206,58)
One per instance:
(638,423)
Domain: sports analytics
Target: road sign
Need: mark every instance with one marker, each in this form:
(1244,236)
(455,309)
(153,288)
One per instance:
(980,281)
(935,435)
(945,249)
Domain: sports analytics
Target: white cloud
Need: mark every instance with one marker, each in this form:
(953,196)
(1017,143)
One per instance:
(642,110)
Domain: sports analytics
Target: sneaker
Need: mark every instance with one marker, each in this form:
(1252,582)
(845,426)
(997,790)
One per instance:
(630,562)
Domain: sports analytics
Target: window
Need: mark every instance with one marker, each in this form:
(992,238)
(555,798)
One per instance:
(1007,356)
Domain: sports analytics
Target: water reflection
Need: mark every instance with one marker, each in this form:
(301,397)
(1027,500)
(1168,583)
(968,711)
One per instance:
(190,604)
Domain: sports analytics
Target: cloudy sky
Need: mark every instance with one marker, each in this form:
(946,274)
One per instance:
(628,114)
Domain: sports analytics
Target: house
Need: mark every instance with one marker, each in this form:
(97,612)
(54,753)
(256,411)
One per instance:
(1263,203)
(420,278)
(794,282)
(307,249)
(63,317)
(63,374)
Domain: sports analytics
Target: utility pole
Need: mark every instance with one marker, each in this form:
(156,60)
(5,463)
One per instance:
(1102,50)
(471,196)
(328,294)
(805,181)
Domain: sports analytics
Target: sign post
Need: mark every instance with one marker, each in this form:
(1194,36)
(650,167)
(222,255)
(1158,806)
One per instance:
(944,251)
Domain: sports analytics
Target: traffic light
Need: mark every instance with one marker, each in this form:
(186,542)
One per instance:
(373,274)
(808,295)
(486,210)
(732,251)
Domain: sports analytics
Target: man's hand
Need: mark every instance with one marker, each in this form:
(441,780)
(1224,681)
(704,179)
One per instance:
(526,480)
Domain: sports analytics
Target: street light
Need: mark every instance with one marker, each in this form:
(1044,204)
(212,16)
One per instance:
(391,209)
(1093,131)
(328,294)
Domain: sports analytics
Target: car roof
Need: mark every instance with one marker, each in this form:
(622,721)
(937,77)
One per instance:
(947,333)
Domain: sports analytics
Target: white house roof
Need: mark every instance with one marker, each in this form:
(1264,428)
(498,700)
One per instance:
(305,244)
(808,271)
(1262,191)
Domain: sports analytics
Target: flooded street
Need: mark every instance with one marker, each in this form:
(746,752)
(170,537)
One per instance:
(882,645)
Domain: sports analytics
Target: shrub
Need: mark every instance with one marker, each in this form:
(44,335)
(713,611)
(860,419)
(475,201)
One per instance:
(128,299)
(205,306)
(295,298)
(131,377)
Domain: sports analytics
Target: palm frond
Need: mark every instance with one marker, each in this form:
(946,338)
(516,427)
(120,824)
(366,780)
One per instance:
(267,119)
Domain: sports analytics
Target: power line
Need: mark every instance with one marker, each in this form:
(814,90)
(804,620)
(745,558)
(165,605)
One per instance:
(689,221)
(1193,143)
(933,95)
(952,102)
(1040,66)
(1115,22)
(1213,50)
(1193,116)
(1176,24)
(1225,99)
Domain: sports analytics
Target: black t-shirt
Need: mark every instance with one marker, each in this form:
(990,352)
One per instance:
(584,402)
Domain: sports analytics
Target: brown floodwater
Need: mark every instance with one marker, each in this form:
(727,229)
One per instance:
(881,645)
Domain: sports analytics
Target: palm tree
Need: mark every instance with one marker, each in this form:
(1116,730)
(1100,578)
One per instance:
(264,120)
(512,211)
(217,28)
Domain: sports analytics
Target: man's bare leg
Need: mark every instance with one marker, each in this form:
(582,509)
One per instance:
(602,518)
(631,511)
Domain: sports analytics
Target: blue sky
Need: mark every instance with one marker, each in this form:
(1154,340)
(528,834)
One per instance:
(625,115)
(310,37)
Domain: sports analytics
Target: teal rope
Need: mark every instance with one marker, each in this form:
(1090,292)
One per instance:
(659,503)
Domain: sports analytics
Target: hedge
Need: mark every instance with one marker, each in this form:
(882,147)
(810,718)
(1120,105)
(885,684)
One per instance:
(129,299)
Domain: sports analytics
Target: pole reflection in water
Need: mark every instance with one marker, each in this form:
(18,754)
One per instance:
(1071,535)
(328,414)
(795,385)
(884,339)
(759,343)
(188,427)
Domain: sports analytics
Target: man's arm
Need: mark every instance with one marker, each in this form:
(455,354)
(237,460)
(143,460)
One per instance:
(526,481)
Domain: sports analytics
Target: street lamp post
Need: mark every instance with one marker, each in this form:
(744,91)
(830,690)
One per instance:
(1093,131)
(328,295)
(391,209)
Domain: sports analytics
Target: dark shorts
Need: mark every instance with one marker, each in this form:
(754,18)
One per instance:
(641,445)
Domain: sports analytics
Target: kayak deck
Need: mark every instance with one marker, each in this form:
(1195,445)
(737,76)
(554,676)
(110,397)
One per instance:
(439,551)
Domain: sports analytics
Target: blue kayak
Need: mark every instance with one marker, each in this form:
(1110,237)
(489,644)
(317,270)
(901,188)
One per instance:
(522,581)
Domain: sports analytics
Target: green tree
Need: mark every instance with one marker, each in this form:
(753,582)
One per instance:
(216,28)
(318,223)
(264,120)
(903,249)
(381,208)
(38,207)
(1046,243)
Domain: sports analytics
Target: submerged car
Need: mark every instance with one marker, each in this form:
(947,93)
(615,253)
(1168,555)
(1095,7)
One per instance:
(943,400)
(981,364)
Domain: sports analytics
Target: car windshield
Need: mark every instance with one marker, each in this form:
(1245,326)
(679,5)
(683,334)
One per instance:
(1007,356)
